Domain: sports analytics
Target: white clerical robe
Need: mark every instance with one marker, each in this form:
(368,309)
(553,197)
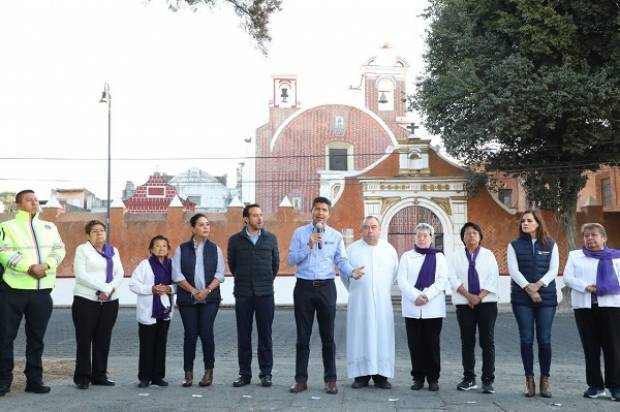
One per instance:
(370,317)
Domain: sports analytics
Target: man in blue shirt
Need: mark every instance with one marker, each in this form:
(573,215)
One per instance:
(317,249)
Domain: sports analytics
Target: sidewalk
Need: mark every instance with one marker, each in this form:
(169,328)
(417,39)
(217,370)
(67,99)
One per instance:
(568,380)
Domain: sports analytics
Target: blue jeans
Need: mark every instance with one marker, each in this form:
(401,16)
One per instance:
(541,317)
(198,321)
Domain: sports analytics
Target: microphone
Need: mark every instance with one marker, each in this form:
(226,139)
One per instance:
(319,228)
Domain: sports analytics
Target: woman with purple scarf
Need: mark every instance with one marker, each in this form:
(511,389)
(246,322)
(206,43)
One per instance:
(152,282)
(98,274)
(474,279)
(593,274)
(423,278)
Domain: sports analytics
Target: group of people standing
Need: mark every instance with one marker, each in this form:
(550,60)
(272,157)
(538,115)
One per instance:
(31,249)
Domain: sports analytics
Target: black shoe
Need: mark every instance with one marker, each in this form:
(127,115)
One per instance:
(4,390)
(159,382)
(103,382)
(417,385)
(359,383)
(82,385)
(143,384)
(433,386)
(265,381)
(37,388)
(383,384)
(615,394)
(487,387)
(467,385)
(242,380)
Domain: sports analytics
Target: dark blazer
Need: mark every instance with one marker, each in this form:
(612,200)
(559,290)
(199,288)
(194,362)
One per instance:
(253,266)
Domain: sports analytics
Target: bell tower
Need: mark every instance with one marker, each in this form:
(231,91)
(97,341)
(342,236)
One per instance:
(285,91)
(384,81)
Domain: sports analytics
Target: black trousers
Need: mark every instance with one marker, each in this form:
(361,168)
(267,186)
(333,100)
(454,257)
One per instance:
(198,320)
(483,316)
(312,297)
(423,341)
(599,329)
(36,307)
(93,333)
(261,307)
(152,361)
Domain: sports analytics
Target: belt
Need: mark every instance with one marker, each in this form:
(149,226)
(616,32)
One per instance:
(317,283)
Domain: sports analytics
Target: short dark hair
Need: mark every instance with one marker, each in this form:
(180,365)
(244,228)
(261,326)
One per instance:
(194,219)
(246,209)
(321,199)
(156,238)
(20,194)
(474,226)
(89,226)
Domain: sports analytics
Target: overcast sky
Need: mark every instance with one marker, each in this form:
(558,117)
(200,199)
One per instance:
(184,84)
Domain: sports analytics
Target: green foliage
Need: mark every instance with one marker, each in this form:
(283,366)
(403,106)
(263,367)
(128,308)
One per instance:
(529,87)
(254,15)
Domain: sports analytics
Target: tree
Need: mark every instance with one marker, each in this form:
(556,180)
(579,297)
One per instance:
(254,15)
(527,87)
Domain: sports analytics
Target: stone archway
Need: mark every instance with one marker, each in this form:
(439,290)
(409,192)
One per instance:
(401,227)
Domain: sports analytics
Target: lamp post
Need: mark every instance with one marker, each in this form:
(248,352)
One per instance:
(106,97)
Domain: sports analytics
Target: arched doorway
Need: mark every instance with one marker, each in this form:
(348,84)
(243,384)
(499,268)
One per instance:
(402,226)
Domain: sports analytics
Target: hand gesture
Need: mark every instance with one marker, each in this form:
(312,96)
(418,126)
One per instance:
(357,272)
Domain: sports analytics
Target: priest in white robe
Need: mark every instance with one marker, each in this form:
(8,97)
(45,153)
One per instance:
(370,317)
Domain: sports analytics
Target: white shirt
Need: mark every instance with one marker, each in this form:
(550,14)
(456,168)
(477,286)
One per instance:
(408,271)
(141,283)
(580,271)
(519,278)
(488,274)
(89,268)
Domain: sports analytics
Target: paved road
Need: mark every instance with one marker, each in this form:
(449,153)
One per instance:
(567,374)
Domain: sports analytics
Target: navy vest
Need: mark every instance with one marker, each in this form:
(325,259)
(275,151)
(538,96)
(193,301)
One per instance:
(188,265)
(533,264)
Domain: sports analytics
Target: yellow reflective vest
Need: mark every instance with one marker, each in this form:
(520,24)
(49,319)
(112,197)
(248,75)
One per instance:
(25,241)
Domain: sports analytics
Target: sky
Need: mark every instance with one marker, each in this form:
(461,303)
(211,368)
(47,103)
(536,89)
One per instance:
(186,84)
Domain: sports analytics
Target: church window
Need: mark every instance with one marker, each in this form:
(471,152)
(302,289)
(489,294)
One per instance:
(505,196)
(337,159)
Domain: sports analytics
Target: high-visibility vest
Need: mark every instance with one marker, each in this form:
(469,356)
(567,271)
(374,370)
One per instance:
(25,241)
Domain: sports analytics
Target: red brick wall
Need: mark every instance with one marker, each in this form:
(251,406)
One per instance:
(307,135)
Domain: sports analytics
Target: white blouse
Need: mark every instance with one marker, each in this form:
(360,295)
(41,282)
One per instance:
(519,278)
(580,272)
(488,275)
(89,268)
(141,283)
(408,271)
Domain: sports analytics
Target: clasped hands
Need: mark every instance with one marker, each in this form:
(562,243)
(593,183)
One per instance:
(532,290)
(37,271)
(161,289)
(201,294)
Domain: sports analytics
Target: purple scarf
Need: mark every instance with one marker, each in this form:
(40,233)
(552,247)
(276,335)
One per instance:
(606,278)
(108,253)
(426,277)
(163,276)
(473,281)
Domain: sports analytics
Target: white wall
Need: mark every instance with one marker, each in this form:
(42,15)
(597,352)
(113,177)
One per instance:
(63,293)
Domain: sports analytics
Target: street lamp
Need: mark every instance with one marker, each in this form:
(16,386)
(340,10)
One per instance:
(106,97)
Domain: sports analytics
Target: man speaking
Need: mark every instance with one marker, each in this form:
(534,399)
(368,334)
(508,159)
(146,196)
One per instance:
(317,249)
